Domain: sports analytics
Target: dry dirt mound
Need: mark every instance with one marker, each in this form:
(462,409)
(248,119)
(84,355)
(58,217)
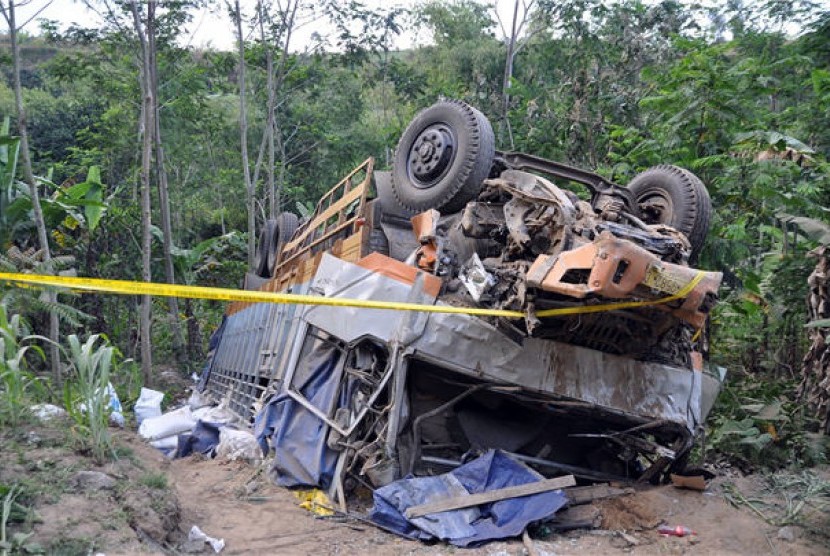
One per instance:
(73,506)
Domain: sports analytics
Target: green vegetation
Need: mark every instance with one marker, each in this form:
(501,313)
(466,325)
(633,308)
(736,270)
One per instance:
(738,93)
(154,480)
(87,392)
(17,381)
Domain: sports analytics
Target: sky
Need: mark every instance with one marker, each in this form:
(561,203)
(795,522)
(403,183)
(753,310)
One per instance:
(211,26)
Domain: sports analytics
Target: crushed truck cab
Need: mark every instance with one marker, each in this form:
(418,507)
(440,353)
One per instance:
(574,337)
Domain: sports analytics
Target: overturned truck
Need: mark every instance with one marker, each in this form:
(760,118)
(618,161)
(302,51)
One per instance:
(570,332)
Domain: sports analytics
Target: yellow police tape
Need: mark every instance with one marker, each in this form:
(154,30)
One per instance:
(127,287)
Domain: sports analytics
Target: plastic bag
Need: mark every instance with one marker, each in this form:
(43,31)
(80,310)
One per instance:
(198,400)
(117,412)
(173,422)
(197,535)
(116,416)
(148,405)
(47,411)
(219,415)
(166,444)
(234,444)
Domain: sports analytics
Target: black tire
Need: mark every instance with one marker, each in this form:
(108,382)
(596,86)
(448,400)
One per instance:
(286,224)
(378,242)
(266,239)
(676,197)
(442,158)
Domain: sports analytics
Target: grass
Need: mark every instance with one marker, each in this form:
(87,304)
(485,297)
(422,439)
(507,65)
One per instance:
(154,480)
(801,499)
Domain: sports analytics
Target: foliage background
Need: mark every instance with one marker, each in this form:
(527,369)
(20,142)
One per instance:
(615,87)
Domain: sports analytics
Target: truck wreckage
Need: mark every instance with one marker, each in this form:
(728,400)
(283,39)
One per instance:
(574,337)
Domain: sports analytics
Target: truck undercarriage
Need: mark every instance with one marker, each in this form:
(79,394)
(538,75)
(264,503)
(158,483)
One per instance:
(589,361)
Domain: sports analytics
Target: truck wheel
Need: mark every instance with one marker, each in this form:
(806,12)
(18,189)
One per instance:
(676,197)
(442,157)
(266,239)
(286,224)
(378,242)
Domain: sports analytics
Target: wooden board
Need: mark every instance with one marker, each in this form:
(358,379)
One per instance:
(466,501)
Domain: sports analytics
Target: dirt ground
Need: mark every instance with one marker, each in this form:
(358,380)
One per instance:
(149,503)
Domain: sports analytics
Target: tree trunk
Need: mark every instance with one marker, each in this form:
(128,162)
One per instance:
(508,73)
(29,177)
(163,189)
(815,383)
(195,353)
(250,193)
(269,125)
(146,162)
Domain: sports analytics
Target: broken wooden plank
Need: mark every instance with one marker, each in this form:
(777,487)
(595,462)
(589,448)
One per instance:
(586,494)
(467,500)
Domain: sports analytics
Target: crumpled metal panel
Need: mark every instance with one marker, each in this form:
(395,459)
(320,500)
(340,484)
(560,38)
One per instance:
(474,347)
(652,390)
(337,278)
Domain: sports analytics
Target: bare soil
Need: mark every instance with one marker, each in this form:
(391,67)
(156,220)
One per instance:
(155,502)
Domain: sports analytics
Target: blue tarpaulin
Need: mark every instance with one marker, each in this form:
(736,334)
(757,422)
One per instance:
(215,338)
(298,437)
(467,526)
(203,440)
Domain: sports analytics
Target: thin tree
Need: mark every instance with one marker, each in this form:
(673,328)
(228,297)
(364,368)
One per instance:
(163,189)
(281,33)
(148,126)
(8,11)
(250,193)
(514,45)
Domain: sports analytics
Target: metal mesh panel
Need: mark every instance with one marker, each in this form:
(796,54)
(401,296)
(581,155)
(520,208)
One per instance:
(253,352)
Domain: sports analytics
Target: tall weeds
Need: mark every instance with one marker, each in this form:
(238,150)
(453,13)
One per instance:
(87,395)
(14,376)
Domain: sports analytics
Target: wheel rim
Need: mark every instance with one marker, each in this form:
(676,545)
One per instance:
(656,207)
(431,155)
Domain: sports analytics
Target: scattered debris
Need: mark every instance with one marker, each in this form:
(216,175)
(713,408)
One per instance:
(506,493)
(148,405)
(315,501)
(203,439)
(496,518)
(47,411)
(198,400)
(676,531)
(116,411)
(170,424)
(585,516)
(234,445)
(695,482)
(586,494)
(196,535)
(213,414)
